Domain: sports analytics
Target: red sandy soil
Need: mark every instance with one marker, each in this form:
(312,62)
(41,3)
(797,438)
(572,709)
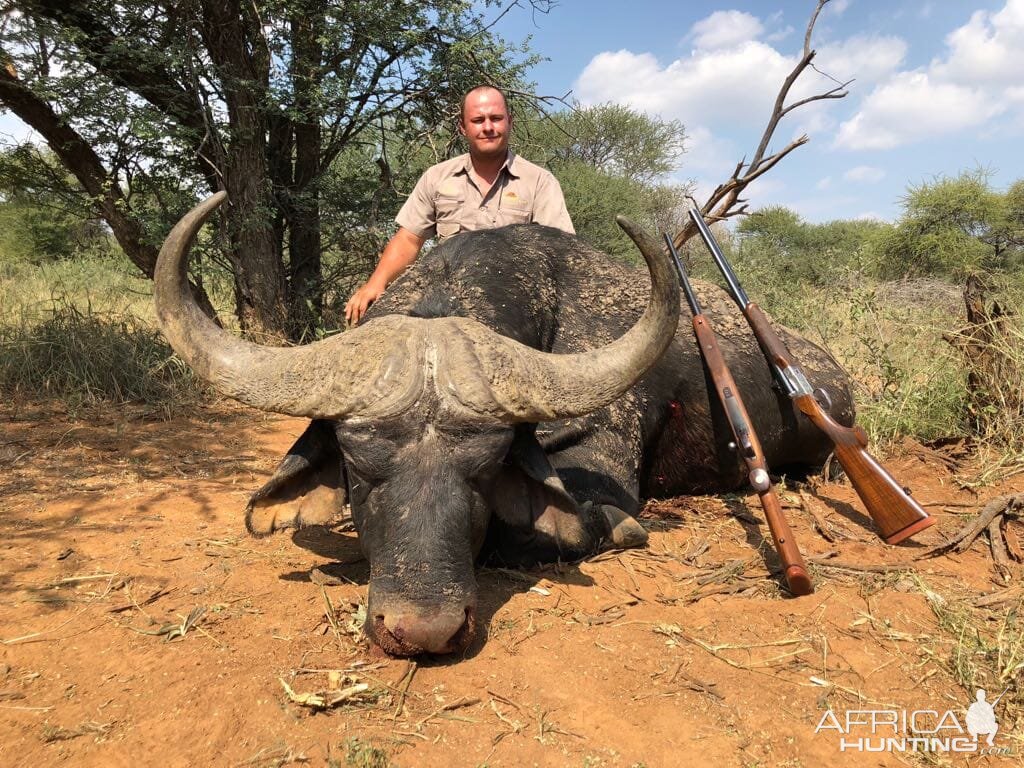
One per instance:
(115,525)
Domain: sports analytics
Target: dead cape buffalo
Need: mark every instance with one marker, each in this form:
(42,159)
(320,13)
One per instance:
(426,416)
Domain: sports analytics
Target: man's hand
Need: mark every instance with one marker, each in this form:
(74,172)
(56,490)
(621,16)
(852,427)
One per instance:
(399,253)
(361,301)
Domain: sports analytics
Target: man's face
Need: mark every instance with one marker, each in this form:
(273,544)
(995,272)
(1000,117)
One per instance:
(486,123)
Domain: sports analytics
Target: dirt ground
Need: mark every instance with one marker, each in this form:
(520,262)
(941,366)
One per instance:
(140,625)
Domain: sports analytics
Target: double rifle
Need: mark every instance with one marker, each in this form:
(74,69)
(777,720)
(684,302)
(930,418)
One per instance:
(896,514)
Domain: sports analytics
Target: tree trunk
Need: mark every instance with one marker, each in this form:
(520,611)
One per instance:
(304,249)
(994,376)
(259,274)
(305,301)
(239,52)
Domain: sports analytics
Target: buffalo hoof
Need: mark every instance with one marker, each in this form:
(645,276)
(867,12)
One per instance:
(624,532)
(319,506)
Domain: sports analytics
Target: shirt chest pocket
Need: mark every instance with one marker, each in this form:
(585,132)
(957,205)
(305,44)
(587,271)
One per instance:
(515,215)
(515,207)
(447,214)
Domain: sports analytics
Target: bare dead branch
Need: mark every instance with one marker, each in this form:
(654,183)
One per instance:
(770,162)
(810,26)
(835,93)
(725,202)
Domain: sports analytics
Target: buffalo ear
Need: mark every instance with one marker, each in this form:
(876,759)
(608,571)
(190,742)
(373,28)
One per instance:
(534,519)
(307,488)
(527,454)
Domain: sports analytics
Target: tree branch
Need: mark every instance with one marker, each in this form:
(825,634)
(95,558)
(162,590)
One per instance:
(79,158)
(724,202)
(136,70)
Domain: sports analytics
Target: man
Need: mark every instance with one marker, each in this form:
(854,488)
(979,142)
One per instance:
(981,718)
(488,187)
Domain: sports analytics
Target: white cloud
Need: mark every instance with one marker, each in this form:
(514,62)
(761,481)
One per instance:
(838,7)
(913,106)
(864,174)
(975,81)
(986,50)
(722,84)
(868,58)
(780,34)
(707,152)
(725,29)
(824,183)
(730,76)
(624,77)
(813,119)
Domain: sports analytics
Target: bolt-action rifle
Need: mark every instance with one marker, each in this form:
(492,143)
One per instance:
(745,440)
(896,514)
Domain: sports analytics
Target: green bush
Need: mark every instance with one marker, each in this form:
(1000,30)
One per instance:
(908,381)
(952,227)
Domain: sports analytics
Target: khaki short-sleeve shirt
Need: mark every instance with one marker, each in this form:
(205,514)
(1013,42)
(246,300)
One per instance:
(447,201)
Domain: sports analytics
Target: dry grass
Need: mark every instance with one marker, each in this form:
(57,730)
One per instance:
(84,332)
(983,648)
(82,357)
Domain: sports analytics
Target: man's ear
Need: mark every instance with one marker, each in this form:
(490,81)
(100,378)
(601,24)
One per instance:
(462,128)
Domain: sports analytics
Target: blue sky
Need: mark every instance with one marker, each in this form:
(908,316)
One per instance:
(939,88)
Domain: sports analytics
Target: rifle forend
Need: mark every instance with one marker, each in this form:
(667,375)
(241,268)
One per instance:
(746,443)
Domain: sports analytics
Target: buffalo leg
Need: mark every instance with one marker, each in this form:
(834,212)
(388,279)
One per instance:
(532,523)
(597,468)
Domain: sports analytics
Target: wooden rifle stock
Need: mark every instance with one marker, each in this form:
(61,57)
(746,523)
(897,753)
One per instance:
(896,514)
(794,569)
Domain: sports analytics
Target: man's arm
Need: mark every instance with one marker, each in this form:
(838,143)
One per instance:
(549,205)
(399,253)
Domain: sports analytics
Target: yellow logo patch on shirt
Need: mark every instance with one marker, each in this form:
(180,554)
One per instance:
(511,200)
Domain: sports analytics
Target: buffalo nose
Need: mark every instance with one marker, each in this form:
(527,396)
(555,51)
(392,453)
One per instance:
(436,631)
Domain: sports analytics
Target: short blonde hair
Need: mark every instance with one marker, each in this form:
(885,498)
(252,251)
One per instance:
(482,87)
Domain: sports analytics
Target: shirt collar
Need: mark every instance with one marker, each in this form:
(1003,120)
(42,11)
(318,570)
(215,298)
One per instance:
(508,165)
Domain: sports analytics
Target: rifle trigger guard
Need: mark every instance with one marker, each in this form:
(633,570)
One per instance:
(823,398)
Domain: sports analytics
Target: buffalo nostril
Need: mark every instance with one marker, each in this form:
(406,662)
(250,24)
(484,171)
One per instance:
(414,631)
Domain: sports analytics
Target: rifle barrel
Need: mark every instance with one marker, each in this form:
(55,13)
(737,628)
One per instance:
(735,289)
(684,281)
